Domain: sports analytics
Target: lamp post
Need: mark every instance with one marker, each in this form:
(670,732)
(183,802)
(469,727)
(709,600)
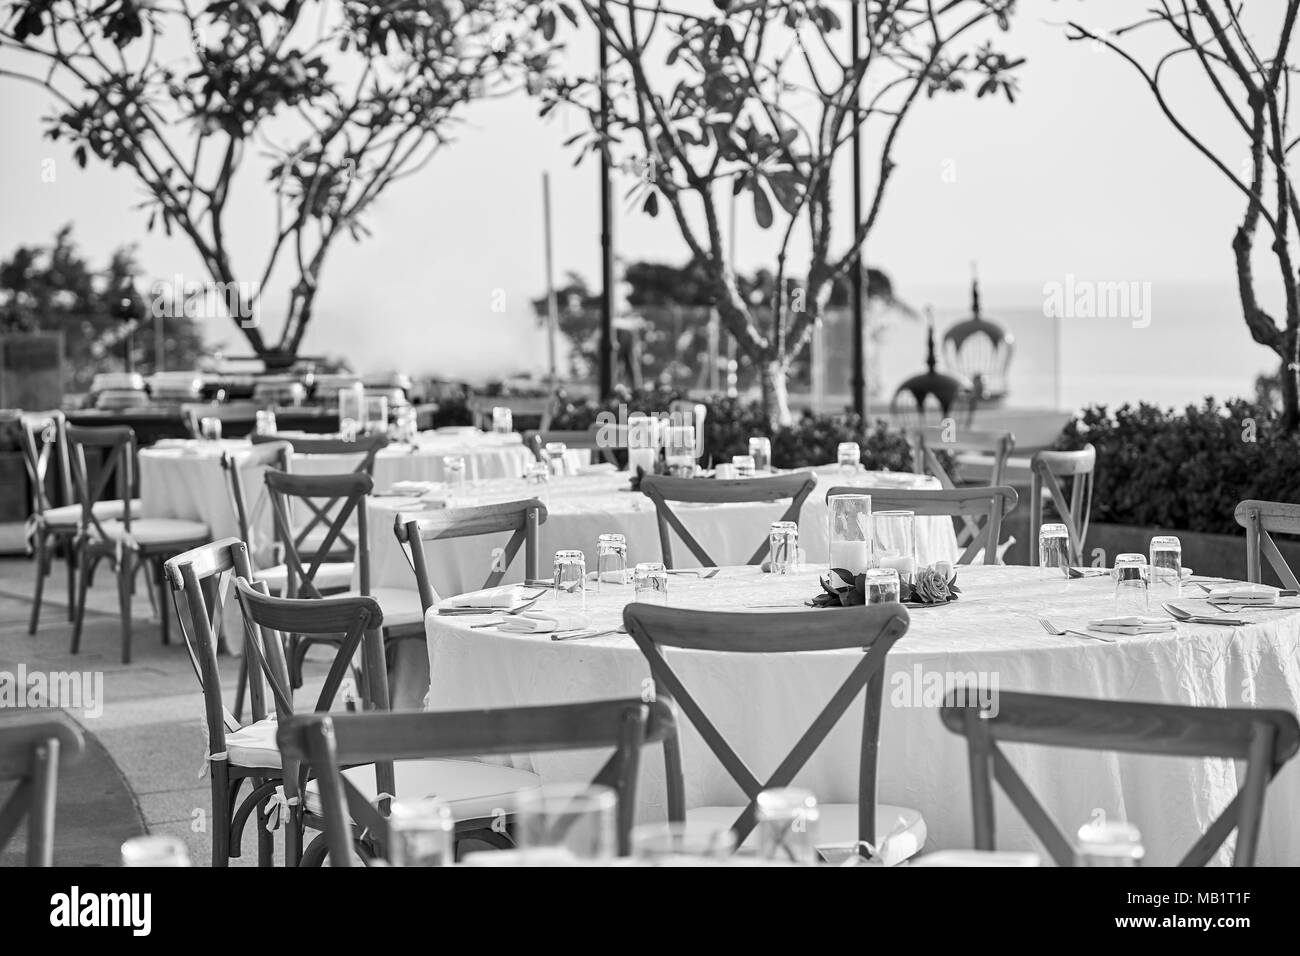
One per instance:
(606,227)
(857,377)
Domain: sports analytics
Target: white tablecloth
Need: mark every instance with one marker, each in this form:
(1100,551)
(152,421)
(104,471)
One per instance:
(581,508)
(762,702)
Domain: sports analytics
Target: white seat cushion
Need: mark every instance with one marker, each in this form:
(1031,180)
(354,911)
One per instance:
(400,605)
(473,790)
(328,576)
(837,829)
(254,745)
(69,515)
(158,531)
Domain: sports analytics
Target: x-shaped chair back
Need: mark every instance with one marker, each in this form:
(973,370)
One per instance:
(928,440)
(32,748)
(116,443)
(662,489)
(343,496)
(523,518)
(1265,739)
(365,446)
(1260,519)
(273,455)
(228,413)
(991,505)
(873,629)
(44,446)
(1047,469)
(329,742)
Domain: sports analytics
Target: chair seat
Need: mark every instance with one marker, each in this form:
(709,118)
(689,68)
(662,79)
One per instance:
(67,516)
(329,577)
(158,531)
(473,790)
(401,606)
(254,745)
(837,828)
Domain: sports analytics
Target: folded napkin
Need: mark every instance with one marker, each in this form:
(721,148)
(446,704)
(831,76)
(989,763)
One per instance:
(1250,594)
(541,622)
(1131,624)
(491,600)
(412,489)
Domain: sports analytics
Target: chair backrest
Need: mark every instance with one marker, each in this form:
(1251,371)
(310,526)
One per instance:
(1047,468)
(520,407)
(1265,739)
(32,748)
(662,489)
(365,446)
(115,469)
(536,442)
(273,455)
(990,504)
(1261,519)
(45,446)
(303,551)
(873,628)
(928,440)
(232,412)
(200,579)
(327,743)
(522,518)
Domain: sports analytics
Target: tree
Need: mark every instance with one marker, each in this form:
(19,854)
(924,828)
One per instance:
(1252,86)
(341,100)
(760,97)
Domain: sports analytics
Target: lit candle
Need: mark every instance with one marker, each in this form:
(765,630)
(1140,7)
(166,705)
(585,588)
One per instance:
(902,563)
(852,556)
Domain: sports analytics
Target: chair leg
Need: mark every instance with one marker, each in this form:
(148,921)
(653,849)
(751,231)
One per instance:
(221,805)
(125,585)
(83,582)
(42,568)
(160,583)
(265,841)
(70,557)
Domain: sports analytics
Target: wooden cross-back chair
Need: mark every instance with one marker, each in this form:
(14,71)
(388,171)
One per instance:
(929,440)
(536,442)
(45,457)
(238,753)
(523,519)
(873,629)
(33,746)
(984,508)
(130,543)
(542,408)
(662,490)
(1047,468)
(241,414)
(365,447)
(1262,519)
(328,742)
(1265,739)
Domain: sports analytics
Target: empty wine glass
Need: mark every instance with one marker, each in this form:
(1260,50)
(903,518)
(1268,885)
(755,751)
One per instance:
(1131,588)
(1166,566)
(611,560)
(576,820)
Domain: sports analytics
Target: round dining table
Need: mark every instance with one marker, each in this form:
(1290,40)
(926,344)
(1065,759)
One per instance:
(991,634)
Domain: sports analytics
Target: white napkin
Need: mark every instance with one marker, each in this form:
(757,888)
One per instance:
(1131,624)
(411,489)
(1256,594)
(541,622)
(600,468)
(495,598)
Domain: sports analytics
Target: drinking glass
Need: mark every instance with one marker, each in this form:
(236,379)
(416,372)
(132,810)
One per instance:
(555,457)
(744,465)
(408,426)
(503,420)
(783,546)
(882,585)
(1110,843)
(570,580)
(1166,566)
(724,471)
(265,423)
(348,429)
(787,825)
(375,418)
(611,560)
(668,842)
(642,443)
(679,450)
(849,532)
(1131,587)
(155,850)
(575,820)
(537,475)
(895,541)
(210,429)
(650,583)
(453,467)
(350,402)
(421,833)
(849,457)
(1054,551)
(760,449)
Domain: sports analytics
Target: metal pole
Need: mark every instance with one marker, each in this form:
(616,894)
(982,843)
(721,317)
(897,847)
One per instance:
(606,228)
(159,342)
(857,378)
(552,308)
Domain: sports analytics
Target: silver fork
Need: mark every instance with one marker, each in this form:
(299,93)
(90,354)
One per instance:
(1052,629)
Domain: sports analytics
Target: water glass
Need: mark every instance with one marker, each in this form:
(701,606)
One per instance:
(1131,587)
(421,833)
(210,429)
(376,414)
(650,583)
(555,457)
(351,400)
(155,850)
(642,443)
(783,546)
(611,560)
(503,420)
(1166,566)
(882,585)
(575,820)
(679,450)
(537,476)
(849,532)
(670,843)
(349,428)
(570,580)
(1054,551)
(265,423)
(1110,843)
(760,449)
(895,541)
(744,465)
(408,426)
(787,825)
(849,457)
(453,467)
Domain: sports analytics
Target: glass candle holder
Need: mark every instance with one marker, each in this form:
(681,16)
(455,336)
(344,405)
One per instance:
(849,457)
(760,449)
(744,465)
(783,546)
(376,414)
(1110,843)
(882,585)
(849,532)
(679,450)
(895,542)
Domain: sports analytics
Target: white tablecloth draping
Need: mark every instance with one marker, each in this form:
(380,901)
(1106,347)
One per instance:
(763,702)
(581,508)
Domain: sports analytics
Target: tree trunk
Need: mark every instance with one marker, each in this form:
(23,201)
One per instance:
(1289,380)
(776,397)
